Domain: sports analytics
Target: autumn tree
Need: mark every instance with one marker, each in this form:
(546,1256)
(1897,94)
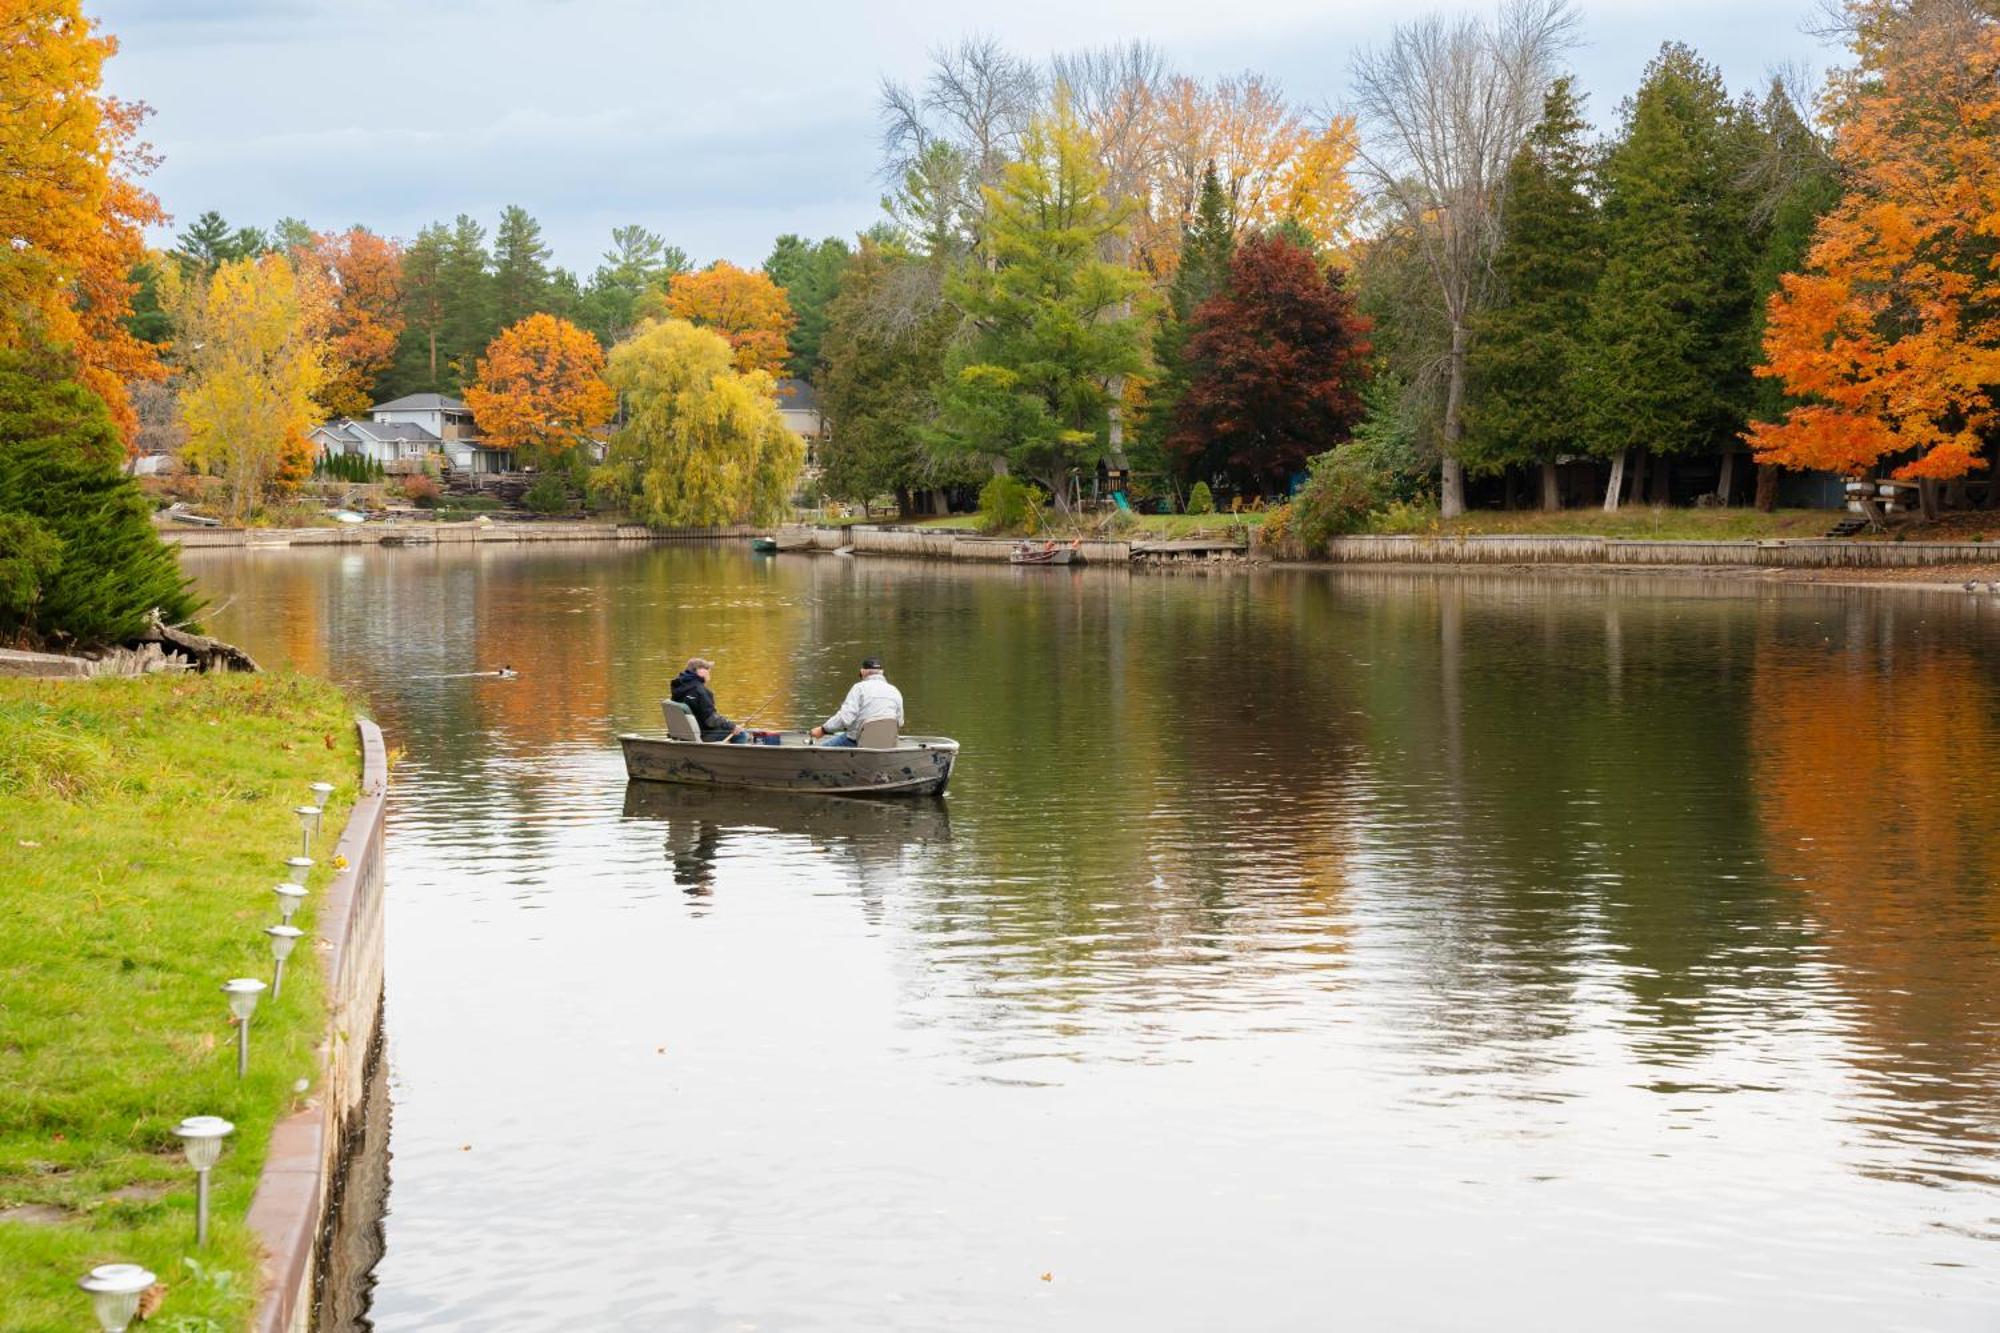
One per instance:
(1444,107)
(952,137)
(746,308)
(364,275)
(1277,360)
(1665,368)
(702,444)
(1029,389)
(1526,408)
(1891,334)
(71,212)
(253,353)
(809,273)
(541,390)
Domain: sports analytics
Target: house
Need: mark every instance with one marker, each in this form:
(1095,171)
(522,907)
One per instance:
(411,429)
(798,404)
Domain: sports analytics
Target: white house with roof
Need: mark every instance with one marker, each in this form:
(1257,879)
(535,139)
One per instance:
(412,428)
(798,404)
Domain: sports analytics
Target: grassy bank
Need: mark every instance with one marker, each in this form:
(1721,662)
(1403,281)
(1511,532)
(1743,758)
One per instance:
(1648,523)
(1141,526)
(142,825)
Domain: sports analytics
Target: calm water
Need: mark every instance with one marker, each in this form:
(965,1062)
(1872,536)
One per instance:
(1293,951)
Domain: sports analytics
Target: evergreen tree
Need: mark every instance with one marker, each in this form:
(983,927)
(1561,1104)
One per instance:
(77,547)
(469,323)
(520,268)
(1796,182)
(1029,390)
(211,242)
(1666,366)
(639,261)
(1525,406)
(424,350)
(1207,245)
(289,234)
(810,273)
(879,379)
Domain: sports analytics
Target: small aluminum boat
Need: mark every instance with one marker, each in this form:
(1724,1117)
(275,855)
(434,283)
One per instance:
(1045,553)
(906,766)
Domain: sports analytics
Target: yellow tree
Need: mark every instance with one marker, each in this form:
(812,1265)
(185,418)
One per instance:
(1891,335)
(252,345)
(541,389)
(746,308)
(702,443)
(70,213)
(364,276)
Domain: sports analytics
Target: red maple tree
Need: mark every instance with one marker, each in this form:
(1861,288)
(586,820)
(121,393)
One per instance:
(1277,359)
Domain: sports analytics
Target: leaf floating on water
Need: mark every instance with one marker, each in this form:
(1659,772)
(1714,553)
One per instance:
(1048,1277)
(465,1147)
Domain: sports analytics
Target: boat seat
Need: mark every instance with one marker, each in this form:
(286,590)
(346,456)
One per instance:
(881,734)
(680,721)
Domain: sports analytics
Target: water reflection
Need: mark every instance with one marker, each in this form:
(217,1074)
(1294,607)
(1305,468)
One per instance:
(1615,944)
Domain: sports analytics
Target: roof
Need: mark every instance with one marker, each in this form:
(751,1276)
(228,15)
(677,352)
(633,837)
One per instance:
(797,396)
(392,430)
(420,402)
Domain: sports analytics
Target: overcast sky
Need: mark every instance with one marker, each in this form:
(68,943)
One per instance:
(720,126)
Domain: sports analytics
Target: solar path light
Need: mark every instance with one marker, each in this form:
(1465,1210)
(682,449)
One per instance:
(290,898)
(282,940)
(308,824)
(297,868)
(201,1138)
(114,1293)
(242,993)
(322,794)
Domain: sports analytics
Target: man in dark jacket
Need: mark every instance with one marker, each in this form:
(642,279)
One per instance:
(691,688)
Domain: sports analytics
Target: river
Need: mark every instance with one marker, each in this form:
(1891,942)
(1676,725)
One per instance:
(1294,950)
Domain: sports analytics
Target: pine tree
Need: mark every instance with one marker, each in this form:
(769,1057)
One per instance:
(520,268)
(424,350)
(1666,366)
(79,529)
(1525,405)
(810,273)
(1207,245)
(1030,390)
(210,242)
(466,282)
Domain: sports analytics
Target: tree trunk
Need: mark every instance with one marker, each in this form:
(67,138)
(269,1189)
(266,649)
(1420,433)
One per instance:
(1451,487)
(1927,499)
(1510,498)
(904,508)
(1552,499)
(1617,484)
(1637,493)
(1767,487)
(1662,480)
(1115,439)
(1993,477)
(1728,481)
(1954,493)
(434,357)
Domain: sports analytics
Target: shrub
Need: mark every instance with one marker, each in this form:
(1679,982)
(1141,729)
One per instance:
(29,556)
(58,470)
(1338,497)
(1277,526)
(1004,503)
(421,491)
(547,496)
(1200,501)
(1405,518)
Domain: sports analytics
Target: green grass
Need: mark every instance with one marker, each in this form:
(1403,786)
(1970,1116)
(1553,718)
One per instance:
(142,825)
(1160,526)
(1662,524)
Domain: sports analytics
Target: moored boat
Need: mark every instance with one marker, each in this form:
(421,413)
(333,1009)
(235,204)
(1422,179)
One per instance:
(1046,553)
(904,766)
(764,545)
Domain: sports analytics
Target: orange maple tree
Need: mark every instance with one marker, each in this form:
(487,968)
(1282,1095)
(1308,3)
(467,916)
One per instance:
(541,388)
(70,211)
(747,308)
(1891,336)
(365,275)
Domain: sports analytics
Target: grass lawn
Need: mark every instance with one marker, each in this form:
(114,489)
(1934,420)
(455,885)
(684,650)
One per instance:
(1662,524)
(1159,526)
(142,825)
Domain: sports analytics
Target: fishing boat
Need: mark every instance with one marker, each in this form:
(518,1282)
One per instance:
(1046,553)
(883,764)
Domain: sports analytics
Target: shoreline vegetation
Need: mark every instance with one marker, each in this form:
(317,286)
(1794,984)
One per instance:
(146,823)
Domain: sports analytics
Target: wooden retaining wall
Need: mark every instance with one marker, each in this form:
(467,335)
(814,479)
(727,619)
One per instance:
(1515,550)
(947,544)
(441,534)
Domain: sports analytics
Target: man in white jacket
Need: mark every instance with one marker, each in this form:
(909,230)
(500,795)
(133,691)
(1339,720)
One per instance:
(869,698)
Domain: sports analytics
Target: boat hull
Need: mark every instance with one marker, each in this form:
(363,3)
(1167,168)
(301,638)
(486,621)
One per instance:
(918,766)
